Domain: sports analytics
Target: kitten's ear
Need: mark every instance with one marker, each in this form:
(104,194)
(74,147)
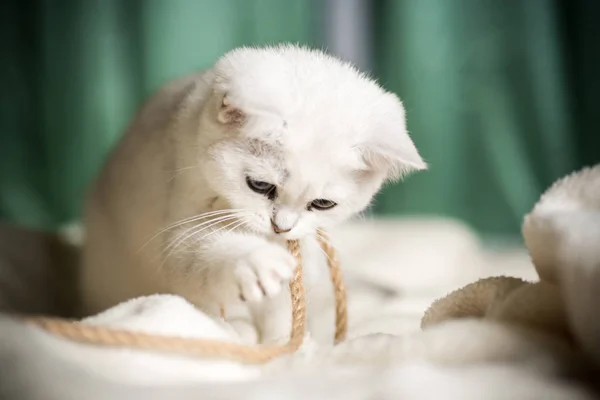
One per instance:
(228,114)
(390,150)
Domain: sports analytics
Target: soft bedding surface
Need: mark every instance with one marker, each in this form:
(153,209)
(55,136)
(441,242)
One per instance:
(394,270)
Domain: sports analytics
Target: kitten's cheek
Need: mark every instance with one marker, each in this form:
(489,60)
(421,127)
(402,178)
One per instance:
(261,226)
(265,227)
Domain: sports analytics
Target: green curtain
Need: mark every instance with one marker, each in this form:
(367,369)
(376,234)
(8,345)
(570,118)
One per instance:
(489,100)
(499,94)
(74,71)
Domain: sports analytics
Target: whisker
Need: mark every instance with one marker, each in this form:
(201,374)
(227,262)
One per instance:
(326,255)
(203,215)
(322,236)
(321,231)
(198,228)
(212,218)
(212,223)
(189,220)
(242,222)
(188,167)
(179,170)
(175,243)
(202,238)
(218,230)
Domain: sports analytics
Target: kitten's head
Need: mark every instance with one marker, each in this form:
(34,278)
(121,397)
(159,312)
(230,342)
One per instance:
(305,140)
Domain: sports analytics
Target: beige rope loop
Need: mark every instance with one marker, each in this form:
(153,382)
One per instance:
(103,336)
(339,289)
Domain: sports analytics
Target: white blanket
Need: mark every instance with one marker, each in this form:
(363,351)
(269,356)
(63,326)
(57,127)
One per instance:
(394,270)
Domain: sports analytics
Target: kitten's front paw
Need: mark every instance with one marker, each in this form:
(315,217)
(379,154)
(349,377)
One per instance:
(263,272)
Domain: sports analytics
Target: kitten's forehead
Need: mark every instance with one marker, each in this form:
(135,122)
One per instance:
(305,161)
(314,175)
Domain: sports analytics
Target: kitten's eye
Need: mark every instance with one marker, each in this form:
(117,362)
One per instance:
(321,204)
(261,187)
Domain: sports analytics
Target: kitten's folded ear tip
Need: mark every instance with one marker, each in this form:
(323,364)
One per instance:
(420,166)
(402,170)
(413,164)
(228,114)
(225,102)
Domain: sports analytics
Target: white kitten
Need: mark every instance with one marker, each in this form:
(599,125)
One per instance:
(266,146)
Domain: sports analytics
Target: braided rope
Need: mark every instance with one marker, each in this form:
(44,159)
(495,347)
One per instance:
(97,335)
(339,289)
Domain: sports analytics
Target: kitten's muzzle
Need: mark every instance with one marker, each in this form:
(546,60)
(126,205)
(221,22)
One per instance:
(277,229)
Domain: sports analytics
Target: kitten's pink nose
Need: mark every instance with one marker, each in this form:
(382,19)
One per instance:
(283,219)
(277,229)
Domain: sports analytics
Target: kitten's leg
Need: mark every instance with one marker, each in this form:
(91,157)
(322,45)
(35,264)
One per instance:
(234,266)
(242,321)
(273,318)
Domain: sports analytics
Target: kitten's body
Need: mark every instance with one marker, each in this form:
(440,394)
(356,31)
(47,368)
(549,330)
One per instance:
(302,121)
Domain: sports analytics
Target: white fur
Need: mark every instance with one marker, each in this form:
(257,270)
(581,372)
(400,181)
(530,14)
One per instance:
(296,118)
(562,233)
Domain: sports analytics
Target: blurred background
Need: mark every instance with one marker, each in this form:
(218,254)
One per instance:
(499,94)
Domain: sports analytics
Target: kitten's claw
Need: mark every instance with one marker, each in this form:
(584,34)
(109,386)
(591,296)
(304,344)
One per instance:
(264,272)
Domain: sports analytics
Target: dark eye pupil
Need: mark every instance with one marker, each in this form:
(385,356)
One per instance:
(321,204)
(261,187)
